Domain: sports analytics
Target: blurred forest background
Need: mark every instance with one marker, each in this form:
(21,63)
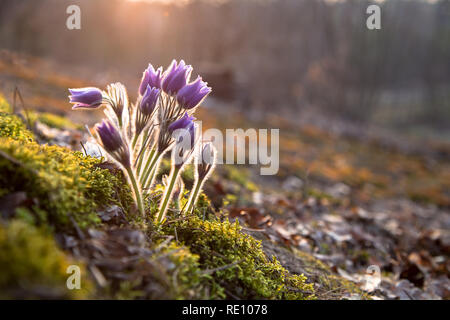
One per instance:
(266,56)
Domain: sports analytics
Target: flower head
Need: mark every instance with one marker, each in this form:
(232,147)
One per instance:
(148,102)
(185,122)
(176,77)
(112,142)
(193,93)
(109,136)
(152,78)
(89,97)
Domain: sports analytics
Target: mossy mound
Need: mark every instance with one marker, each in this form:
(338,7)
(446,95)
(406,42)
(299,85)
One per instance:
(65,183)
(32,266)
(237,263)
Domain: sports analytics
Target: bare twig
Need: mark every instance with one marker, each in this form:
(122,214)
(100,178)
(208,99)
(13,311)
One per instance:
(27,117)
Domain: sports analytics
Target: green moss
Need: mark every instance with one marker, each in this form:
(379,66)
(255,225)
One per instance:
(65,183)
(237,263)
(32,266)
(12,126)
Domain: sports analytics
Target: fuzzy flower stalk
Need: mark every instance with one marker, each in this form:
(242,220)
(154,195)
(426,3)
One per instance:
(181,154)
(204,162)
(137,135)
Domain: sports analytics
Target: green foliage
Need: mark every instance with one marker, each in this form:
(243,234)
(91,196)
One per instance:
(65,183)
(237,262)
(32,266)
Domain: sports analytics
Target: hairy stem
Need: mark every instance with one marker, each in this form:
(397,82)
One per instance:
(137,192)
(194,195)
(152,175)
(141,155)
(167,195)
(133,144)
(141,161)
(150,167)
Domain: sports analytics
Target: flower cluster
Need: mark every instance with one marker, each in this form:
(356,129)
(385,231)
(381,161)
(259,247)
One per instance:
(136,136)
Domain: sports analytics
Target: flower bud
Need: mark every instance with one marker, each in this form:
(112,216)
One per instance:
(112,142)
(183,123)
(149,100)
(193,93)
(176,77)
(89,98)
(152,78)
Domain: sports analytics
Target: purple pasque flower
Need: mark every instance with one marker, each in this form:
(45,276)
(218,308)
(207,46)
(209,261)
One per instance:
(191,132)
(112,142)
(176,77)
(193,93)
(152,78)
(185,122)
(146,108)
(89,97)
(110,136)
(149,100)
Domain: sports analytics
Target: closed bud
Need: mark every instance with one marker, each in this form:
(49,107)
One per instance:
(176,77)
(152,78)
(193,93)
(113,143)
(89,98)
